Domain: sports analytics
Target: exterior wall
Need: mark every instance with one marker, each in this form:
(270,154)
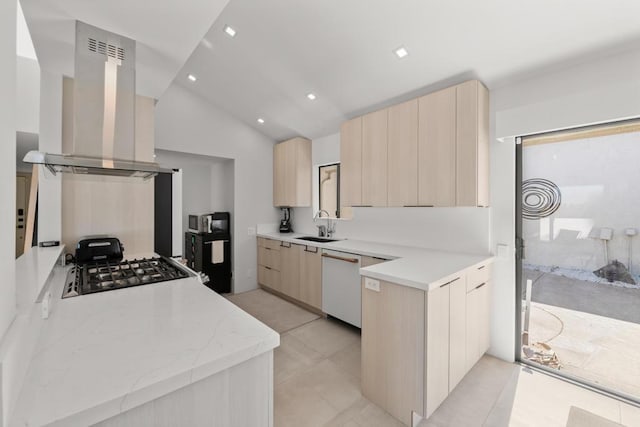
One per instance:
(598,179)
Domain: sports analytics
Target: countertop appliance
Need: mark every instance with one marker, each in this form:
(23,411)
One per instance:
(214,223)
(285,222)
(341,293)
(99,266)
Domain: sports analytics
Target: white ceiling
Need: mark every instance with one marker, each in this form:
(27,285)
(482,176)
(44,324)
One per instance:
(166,31)
(342,51)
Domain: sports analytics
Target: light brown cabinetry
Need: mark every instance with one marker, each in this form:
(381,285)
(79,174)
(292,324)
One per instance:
(437,148)
(269,263)
(374,159)
(429,151)
(351,163)
(477,315)
(294,271)
(402,153)
(393,348)
(292,173)
(311,276)
(290,269)
(417,345)
(472,144)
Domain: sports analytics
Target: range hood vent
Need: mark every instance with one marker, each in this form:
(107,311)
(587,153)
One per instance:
(104,97)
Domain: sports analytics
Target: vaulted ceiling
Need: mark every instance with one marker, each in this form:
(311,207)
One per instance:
(342,51)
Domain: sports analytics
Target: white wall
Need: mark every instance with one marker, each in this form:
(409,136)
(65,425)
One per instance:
(188,123)
(598,180)
(600,90)
(7,162)
(449,229)
(27,95)
(207,183)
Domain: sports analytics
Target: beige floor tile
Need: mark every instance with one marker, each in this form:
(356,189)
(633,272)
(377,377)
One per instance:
(326,336)
(292,357)
(339,389)
(297,405)
(349,359)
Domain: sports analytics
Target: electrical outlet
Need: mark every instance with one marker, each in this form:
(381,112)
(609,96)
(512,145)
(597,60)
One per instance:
(372,284)
(251,231)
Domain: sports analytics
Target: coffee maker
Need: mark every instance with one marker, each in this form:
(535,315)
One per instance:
(285,222)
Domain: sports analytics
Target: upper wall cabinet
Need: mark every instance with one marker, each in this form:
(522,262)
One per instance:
(374,159)
(351,163)
(292,173)
(472,144)
(402,154)
(437,148)
(430,151)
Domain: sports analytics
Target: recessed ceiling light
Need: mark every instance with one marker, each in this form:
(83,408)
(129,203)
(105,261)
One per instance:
(311,96)
(192,77)
(260,120)
(401,52)
(230,31)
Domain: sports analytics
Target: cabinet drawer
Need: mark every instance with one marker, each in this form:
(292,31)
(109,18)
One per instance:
(477,276)
(268,257)
(268,277)
(272,244)
(261,242)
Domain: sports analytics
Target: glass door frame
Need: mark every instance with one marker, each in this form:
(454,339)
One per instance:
(520,246)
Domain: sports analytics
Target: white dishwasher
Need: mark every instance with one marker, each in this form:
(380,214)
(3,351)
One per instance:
(341,294)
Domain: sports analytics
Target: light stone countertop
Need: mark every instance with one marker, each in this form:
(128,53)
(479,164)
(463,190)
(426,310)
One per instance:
(409,266)
(101,354)
(33,268)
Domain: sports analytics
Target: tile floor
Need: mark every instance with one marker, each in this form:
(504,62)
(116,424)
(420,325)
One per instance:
(317,383)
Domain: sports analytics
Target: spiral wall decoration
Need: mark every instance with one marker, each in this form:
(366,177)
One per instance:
(540,198)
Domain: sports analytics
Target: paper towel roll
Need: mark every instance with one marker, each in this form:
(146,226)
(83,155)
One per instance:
(217,252)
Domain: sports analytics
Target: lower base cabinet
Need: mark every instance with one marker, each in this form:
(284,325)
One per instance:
(292,270)
(418,345)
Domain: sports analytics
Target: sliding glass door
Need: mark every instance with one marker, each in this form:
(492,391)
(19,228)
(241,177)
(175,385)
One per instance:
(578,216)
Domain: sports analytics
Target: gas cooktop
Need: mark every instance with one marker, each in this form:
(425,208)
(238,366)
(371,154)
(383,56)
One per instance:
(109,275)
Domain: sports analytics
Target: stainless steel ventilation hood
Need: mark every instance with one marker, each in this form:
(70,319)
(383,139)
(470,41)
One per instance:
(104,97)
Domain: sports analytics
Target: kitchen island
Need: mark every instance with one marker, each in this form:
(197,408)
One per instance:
(170,353)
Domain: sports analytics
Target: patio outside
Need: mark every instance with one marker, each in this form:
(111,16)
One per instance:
(581,216)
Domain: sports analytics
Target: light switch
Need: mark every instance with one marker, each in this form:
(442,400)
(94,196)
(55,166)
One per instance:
(372,284)
(251,231)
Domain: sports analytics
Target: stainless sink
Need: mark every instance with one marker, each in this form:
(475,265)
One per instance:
(317,239)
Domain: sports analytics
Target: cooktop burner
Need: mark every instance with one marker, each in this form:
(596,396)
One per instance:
(104,276)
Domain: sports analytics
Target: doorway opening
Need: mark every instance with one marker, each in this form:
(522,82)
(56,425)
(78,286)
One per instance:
(578,264)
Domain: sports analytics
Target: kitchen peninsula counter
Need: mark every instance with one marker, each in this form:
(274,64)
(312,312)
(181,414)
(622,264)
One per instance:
(101,355)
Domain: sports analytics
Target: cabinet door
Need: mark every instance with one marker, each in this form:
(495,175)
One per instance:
(393,348)
(485,318)
(437,345)
(290,269)
(289,167)
(374,159)
(302,175)
(474,327)
(311,276)
(472,144)
(351,163)
(278,175)
(437,148)
(402,154)
(457,331)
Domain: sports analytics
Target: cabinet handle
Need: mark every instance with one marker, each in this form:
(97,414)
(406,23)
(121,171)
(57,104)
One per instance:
(449,282)
(306,249)
(481,267)
(361,206)
(267,249)
(480,285)
(268,268)
(351,260)
(417,206)
(282,244)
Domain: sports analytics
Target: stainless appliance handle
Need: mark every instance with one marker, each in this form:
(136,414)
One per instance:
(351,260)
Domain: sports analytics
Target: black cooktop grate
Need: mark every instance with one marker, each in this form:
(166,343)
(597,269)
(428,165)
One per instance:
(104,276)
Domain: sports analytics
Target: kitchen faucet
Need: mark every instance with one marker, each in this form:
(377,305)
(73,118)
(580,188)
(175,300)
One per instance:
(325,230)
